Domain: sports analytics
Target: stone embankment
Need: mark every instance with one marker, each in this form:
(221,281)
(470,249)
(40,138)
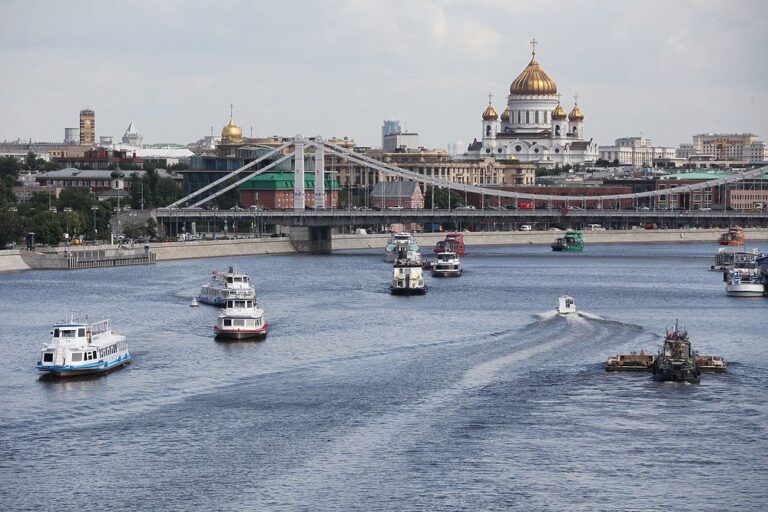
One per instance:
(16,260)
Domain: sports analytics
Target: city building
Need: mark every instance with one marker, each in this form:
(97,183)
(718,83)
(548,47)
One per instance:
(394,139)
(534,127)
(725,147)
(132,137)
(637,151)
(100,158)
(98,181)
(274,190)
(87,127)
(397,194)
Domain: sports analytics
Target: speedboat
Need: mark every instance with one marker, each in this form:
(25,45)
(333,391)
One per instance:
(447,264)
(566,305)
(241,319)
(226,285)
(407,275)
(194,303)
(82,348)
(676,360)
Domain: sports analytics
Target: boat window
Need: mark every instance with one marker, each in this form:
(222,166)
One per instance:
(69,333)
(77,357)
(245,279)
(227,322)
(238,322)
(48,357)
(229,279)
(81,332)
(94,354)
(55,333)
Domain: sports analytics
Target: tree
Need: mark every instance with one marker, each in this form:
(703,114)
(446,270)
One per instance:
(9,176)
(441,198)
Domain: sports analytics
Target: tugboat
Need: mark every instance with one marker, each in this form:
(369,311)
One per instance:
(81,348)
(447,264)
(407,274)
(241,319)
(676,361)
(571,242)
(226,285)
(566,305)
(733,238)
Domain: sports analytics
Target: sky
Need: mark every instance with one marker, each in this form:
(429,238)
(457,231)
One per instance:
(662,69)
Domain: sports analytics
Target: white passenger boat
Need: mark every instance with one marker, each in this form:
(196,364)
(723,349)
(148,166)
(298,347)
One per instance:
(447,264)
(241,319)
(407,276)
(396,241)
(566,305)
(82,348)
(744,283)
(226,285)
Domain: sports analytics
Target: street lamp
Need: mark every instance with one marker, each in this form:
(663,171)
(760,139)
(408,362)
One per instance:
(94,209)
(67,236)
(215,209)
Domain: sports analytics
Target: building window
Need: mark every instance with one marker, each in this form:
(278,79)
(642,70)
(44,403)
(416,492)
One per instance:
(527,117)
(518,148)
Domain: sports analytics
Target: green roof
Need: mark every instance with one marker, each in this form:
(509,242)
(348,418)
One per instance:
(284,181)
(700,175)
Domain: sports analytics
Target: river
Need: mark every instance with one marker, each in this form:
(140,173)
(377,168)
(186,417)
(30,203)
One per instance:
(472,397)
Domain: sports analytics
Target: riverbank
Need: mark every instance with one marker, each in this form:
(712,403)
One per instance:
(55,258)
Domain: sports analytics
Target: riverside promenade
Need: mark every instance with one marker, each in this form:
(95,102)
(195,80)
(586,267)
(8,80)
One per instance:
(56,258)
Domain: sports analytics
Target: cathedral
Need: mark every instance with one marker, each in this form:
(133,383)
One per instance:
(534,128)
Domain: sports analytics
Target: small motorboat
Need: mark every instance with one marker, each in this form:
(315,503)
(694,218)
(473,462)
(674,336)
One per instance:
(566,305)
(194,303)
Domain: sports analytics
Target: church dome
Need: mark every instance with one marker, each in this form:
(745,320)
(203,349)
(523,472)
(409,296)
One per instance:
(489,114)
(559,113)
(576,114)
(533,80)
(232,132)
(505,115)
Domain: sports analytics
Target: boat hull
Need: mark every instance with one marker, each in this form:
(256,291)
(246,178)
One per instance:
(241,334)
(745,290)
(676,375)
(407,291)
(558,248)
(65,371)
(447,273)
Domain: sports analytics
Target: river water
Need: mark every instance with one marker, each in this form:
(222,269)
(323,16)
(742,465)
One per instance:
(472,397)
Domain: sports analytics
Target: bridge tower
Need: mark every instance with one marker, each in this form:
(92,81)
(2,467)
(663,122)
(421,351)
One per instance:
(299,200)
(319,174)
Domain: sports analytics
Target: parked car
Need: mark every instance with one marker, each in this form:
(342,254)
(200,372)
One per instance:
(526,227)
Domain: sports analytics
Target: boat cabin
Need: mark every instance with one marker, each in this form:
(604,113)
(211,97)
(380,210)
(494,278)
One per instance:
(240,304)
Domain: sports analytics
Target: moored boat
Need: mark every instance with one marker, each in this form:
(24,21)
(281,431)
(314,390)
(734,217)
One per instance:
(744,282)
(733,238)
(241,319)
(676,360)
(81,348)
(447,264)
(226,285)
(570,242)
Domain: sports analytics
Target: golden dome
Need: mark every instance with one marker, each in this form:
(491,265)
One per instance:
(232,132)
(576,114)
(505,115)
(559,113)
(533,80)
(489,114)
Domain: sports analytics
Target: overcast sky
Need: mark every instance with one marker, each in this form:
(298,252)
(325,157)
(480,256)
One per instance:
(668,69)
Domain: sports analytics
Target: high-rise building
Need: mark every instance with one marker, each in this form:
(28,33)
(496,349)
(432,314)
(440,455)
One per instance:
(87,127)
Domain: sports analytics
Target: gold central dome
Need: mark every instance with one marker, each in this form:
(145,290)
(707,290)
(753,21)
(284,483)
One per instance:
(533,80)
(559,113)
(232,132)
(489,114)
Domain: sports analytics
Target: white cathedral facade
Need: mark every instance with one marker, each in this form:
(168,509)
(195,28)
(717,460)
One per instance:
(534,128)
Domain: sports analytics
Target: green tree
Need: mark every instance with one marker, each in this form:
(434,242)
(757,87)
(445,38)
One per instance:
(9,176)
(441,198)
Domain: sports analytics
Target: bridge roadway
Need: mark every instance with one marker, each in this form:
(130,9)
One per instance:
(172,218)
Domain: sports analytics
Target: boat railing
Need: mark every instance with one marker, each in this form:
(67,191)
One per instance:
(98,327)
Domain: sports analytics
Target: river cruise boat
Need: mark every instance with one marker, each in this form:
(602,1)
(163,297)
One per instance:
(241,319)
(81,348)
(447,264)
(396,241)
(744,282)
(407,275)
(226,285)
(566,305)
(676,361)
(570,242)
(454,242)
(733,238)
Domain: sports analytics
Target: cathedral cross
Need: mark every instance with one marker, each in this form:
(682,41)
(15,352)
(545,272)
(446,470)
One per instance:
(231,107)
(575,99)
(534,42)
(558,98)
(490,98)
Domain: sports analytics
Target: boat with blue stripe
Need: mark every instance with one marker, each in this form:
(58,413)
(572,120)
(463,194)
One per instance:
(82,348)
